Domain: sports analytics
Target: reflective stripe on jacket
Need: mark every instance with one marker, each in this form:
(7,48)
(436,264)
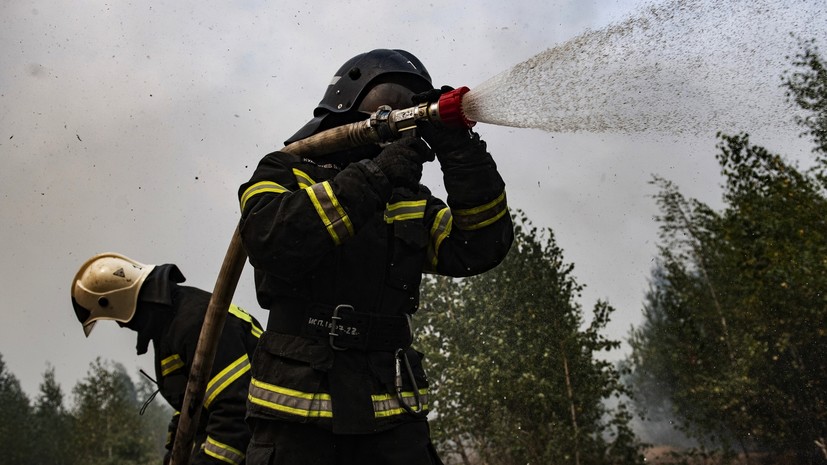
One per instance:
(222,434)
(323,235)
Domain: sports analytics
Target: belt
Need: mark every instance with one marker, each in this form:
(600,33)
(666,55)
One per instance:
(343,327)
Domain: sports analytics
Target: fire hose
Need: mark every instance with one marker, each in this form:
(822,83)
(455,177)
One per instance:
(384,125)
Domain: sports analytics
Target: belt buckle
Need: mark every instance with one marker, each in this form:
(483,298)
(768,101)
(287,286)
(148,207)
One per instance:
(334,323)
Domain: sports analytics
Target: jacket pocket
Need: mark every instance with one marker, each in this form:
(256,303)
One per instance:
(259,454)
(410,242)
(294,348)
(289,379)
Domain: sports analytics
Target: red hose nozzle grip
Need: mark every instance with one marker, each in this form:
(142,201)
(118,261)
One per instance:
(450,109)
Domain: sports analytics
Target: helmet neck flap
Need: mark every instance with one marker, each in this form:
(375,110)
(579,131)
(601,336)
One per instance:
(155,305)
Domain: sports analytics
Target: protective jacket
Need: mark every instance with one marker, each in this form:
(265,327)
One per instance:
(338,256)
(222,435)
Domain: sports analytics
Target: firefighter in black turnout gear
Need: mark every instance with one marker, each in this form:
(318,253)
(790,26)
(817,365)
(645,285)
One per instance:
(149,300)
(339,243)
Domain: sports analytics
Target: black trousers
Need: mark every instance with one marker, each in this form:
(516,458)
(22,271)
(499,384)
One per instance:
(286,443)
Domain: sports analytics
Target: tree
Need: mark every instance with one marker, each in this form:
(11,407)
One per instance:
(733,323)
(108,429)
(517,378)
(106,425)
(16,440)
(52,423)
(156,414)
(806,86)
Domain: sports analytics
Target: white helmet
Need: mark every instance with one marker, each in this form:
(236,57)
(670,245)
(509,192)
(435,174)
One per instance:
(106,288)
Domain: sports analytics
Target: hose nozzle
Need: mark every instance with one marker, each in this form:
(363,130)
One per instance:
(446,111)
(386,124)
(449,109)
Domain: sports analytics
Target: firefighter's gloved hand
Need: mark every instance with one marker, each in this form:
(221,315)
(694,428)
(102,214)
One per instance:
(401,162)
(440,138)
(430,95)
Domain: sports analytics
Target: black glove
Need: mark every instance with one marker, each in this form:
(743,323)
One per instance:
(440,138)
(430,95)
(401,162)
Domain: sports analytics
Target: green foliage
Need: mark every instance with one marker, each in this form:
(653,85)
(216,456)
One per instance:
(52,421)
(15,432)
(733,323)
(108,429)
(806,86)
(733,340)
(103,427)
(517,376)
(156,414)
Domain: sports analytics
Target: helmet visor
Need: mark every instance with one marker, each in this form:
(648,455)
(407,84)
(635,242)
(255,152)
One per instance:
(387,93)
(83,316)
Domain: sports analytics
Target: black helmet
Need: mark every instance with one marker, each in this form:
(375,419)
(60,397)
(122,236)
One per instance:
(356,78)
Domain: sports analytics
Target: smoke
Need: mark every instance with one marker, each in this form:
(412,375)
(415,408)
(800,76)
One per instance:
(660,428)
(682,67)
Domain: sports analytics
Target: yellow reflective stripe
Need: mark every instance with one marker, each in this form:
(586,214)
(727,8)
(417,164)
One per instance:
(386,405)
(302,178)
(241,314)
(479,217)
(281,399)
(405,210)
(493,219)
(260,188)
(170,364)
(222,451)
(331,213)
(339,210)
(440,230)
(223,379)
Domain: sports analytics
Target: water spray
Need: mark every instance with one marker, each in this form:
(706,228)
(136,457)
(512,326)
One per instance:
(682,66)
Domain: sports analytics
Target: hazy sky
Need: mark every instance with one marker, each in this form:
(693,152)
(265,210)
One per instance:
(128,127)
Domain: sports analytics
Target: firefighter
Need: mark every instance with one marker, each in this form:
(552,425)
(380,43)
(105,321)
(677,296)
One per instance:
(149,300)
(339,244)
